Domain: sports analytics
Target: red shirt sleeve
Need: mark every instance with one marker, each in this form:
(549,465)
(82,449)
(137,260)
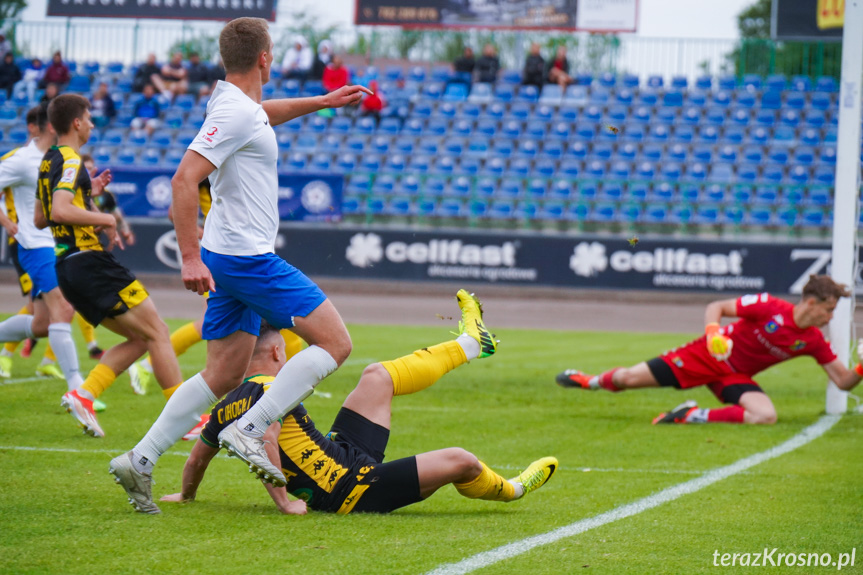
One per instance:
(821,350)
(756,306)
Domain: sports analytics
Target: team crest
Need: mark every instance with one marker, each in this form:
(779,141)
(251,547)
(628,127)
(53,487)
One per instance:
(798,345)
(678,362)
(771,326)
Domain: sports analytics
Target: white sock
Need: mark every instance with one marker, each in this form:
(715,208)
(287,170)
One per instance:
(519,489)
(92,345)
(181,413)
(698,415)
(469,345)
(60,336)
(593,382)
(294,382)
(16,328)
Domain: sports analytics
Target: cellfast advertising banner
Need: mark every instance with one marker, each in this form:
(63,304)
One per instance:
(165,9)
(302,197)
(589,262)
(587,15)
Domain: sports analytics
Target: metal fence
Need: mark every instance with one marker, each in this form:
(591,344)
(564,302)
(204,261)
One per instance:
(129,41)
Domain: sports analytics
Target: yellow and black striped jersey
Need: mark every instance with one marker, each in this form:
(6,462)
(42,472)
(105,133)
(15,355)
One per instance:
(205,198)
(317,469)
(61,170)
(9,198)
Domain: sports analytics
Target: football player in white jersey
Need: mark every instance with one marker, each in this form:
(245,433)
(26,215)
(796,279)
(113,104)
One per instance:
(52,314)
(236,262)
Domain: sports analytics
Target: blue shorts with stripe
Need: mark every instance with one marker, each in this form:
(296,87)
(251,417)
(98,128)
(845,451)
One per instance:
(39,264)
(249,288)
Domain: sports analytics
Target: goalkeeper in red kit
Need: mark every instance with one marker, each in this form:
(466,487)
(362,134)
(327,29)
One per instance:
(725,359)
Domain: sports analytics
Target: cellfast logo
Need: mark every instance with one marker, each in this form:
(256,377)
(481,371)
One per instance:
(367,249)
(588,259)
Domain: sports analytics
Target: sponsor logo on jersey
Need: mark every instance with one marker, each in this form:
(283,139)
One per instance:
(677,361)
(210,134)
(798,345)
(69,175)
(771,326)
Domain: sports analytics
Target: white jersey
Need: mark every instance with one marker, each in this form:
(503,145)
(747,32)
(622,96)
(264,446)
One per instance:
(20,171)
(237,138)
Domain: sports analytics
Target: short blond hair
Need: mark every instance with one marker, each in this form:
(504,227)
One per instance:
(241,42)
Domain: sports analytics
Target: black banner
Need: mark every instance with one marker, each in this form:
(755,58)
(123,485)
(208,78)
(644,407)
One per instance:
(798,19)
(468,13)
(589,262)
(165,9)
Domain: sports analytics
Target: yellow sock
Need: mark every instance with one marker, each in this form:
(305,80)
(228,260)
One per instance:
(13,345)
(49,353)
(184,338)
(87,330)
(488,485)
(415,372)
(293,343)
(99,380)
(170,391)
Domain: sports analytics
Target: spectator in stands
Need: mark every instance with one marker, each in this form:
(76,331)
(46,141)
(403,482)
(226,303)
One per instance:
(322,59)
(5,46)
(373,105)
(148,73)
(557,71)
(56,73)
(534,68)
(147,111)
(175,77)
(10,73)
(217,72)
(463,67)
(52,90)
(298,60)
(30,80)
(487,65)
(336,74)
(198,76)
(102,107)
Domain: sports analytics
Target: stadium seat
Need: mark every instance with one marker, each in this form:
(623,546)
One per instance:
(551,94)
(455,92)
(826,84)
(801,84)
(481,93)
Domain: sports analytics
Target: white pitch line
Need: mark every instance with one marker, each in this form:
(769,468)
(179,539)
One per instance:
(504,552)
(27,379)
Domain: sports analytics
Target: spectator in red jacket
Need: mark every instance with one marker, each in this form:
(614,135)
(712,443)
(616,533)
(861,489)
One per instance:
(374,104)
(336,74)
(56,73)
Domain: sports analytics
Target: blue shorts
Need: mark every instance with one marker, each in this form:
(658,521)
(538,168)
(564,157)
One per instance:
(249,288)
(39,265)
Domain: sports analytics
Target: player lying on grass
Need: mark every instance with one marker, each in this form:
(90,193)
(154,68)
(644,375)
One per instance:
(343,472)
(770,330)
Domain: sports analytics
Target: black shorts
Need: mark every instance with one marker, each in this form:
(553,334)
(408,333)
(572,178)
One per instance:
(378,487)
(98,286)
(729,393)
(24,281)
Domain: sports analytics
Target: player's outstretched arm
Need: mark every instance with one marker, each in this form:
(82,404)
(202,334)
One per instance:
(279,495)
(193,472)
(844,378)
(193,168)
(285,109)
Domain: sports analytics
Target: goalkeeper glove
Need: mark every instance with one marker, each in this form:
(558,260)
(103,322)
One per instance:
(718,345)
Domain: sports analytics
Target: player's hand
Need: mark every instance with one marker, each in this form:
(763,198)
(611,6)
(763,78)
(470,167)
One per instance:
(11,228)
(99,182)
(197,278)
(176,498)
(297,507)
(718,345)
(345,96)
(128,236)
(113,236)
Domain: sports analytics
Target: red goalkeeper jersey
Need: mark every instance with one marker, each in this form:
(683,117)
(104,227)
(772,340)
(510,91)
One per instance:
(766,334)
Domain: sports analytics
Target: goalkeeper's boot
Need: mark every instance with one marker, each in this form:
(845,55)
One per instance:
(578,379)
(5,366)
(50,370)
(536,475)
(678,414)
(471,323)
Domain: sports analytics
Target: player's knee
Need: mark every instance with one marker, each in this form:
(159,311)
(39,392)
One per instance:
(763,417)
(342,347)
(465,463)
(376,375)
(625,378)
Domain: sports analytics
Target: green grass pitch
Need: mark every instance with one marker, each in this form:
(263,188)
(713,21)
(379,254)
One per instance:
(61,513)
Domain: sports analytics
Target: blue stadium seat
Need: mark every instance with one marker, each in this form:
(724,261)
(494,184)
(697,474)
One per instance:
(426,208)
(528,93)
(691,115)
(747,173)
(799,174)
(696,172)
(561,190)
(481,93)
(758,135)
(795,100)
(434,186)
(630,81)
(630,133)
(383,184)
(821,101)
(390,126)
(772,173)
(570,169)
(627,151)
(577,150)
(469,165)
(801,84)
(578,212)
(682,133)
(646,170)
(814,119)
(672,98)
(346,163)
(511,189)
(641,114)
(828,155)
(663,192)
(505,92)
(455,92)
(602,151)
(702,153)
(560,130)
(826,84)
(396,163)
(519,168)
(444,165)
(659,133)
(551,94)
(813,217)
(766,194)
(585,130)
(409,185)
(819,196)
(765,118)
(586,190)
(722,98)
(786,216)
(494,166)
